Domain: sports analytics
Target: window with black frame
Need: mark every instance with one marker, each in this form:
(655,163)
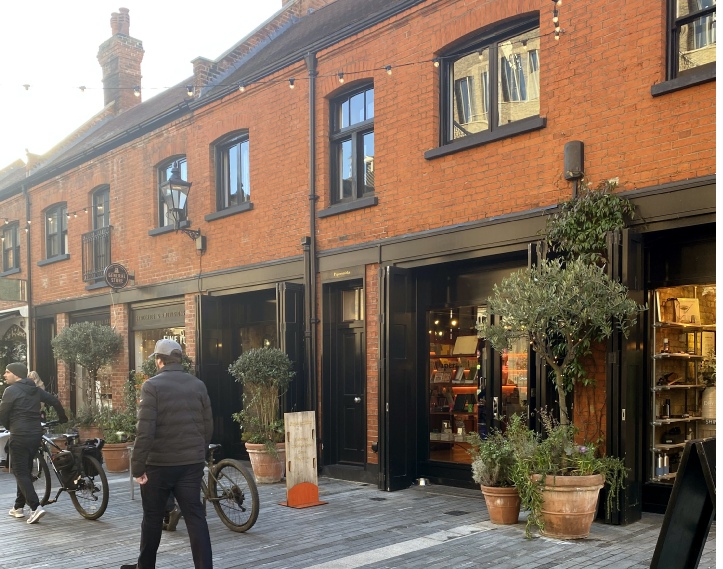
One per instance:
(164,173)
(492,82)
(232,162)
(352,145)
(692,36)
(56,231)
(11,247)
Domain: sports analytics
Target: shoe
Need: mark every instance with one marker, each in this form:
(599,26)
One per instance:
(36,515)
(134,566)
(173,516)
(17,513)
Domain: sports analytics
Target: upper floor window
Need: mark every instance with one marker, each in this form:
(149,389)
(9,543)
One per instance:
(692,40)
(164,173)
(232,172)
(492,81)
(101,208)
(56,231)
(352,145)
(11,247)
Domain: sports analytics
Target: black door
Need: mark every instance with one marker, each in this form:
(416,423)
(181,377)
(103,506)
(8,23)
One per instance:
(290,320)
(344,374)
(397,381)
(349,374)
(215,355)
(626,377)
(45,362)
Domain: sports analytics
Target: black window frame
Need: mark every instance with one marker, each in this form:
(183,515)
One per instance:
(11,247)
(56,242)
(673,40)
(222,161)
(485,39)
(163,173)
(353,133)
(488,40)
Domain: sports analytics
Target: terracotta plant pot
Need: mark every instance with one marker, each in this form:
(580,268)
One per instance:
(116,457)
(503,504)
(267,468)
(569,504)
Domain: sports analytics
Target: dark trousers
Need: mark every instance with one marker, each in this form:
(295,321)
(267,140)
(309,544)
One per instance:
(22,452)
(185,483)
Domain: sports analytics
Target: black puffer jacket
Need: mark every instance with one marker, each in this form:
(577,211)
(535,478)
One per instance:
(20,408)
(175,422)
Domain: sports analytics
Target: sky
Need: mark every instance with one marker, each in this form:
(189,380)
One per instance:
(53,46)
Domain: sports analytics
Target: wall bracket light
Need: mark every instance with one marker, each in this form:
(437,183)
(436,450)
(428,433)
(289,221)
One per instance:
(175,192)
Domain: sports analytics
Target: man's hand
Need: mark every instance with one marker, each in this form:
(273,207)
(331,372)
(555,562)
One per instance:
(142,479)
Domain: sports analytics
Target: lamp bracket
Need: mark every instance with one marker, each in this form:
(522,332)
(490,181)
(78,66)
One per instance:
(192,233)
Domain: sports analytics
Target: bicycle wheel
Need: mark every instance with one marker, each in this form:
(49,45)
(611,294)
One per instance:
(234,495)
(91,496)
(41,478)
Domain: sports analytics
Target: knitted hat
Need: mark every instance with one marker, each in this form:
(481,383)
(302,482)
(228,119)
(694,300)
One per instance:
(18,368)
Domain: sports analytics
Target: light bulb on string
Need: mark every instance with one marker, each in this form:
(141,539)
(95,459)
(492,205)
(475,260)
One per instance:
(340,75)
(291,83)
(388,69)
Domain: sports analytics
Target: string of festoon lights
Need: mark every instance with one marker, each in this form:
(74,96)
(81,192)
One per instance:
(341,75)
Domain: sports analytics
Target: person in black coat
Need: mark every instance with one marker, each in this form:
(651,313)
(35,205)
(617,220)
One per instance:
(175,425)
(20,414)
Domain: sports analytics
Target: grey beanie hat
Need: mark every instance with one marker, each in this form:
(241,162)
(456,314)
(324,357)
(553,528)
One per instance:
(18,368)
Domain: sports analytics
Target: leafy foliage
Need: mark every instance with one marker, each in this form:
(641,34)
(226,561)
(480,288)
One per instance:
(265,374)
(559,309)
(578,230)
(89,345)
(494,458)
(557,454)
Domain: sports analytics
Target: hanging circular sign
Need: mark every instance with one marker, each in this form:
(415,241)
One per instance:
(116,275)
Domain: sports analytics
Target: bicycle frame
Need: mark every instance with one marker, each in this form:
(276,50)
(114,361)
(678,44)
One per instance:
(45,445)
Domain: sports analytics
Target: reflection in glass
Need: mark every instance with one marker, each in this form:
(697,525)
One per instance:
(346,182)
(369,162)
(518,78)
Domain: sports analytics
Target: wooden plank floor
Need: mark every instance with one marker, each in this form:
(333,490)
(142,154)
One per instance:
(360,526)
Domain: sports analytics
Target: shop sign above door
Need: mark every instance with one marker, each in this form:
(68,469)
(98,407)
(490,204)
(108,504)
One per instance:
(116,276)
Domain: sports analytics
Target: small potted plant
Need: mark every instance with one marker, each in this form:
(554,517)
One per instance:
(494,461)
(559,481)
(265,374)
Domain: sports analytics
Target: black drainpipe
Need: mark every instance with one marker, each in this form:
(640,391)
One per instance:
(28,284)
(311,316)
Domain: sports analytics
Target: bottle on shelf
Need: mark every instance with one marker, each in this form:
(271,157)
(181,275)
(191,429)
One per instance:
(666,346)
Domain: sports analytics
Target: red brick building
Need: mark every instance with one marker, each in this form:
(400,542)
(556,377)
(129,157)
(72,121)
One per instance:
(363,172)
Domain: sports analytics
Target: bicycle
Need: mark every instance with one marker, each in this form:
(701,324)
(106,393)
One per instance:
(232,491)
(83,477)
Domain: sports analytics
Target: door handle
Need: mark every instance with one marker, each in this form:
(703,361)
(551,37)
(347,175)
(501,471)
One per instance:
(495,407)
(357,400)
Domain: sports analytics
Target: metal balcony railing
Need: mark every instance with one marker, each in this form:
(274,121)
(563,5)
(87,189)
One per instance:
(96,253)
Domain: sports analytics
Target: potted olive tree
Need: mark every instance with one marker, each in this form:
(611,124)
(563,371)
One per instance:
(561,307)
(91,346)
(265,374)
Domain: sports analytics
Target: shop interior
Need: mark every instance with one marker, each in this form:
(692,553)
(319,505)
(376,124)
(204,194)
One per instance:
(462,375)
(683,374)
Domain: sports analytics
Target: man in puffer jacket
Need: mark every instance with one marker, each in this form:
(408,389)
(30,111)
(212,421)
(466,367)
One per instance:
(20,414)
(174,430)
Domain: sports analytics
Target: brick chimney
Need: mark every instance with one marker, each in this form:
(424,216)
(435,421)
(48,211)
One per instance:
(120,58)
